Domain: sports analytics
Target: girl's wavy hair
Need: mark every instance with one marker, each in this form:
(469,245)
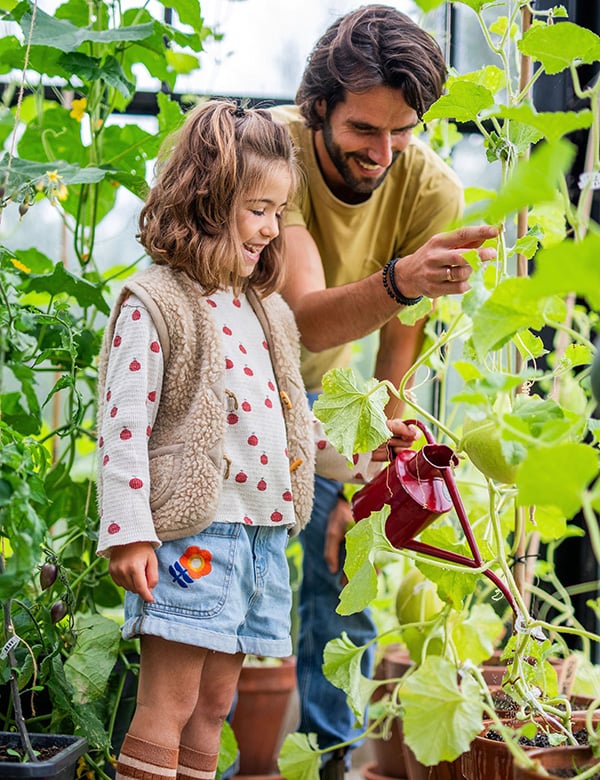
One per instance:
(375,45)
(221,155)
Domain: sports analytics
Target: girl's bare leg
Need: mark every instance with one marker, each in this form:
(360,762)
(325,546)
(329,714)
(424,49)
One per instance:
(217,688)
(168,686)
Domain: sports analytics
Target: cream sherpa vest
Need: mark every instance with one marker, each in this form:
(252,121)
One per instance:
(187,461)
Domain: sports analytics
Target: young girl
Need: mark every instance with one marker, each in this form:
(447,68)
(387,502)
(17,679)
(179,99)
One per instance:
(206,443)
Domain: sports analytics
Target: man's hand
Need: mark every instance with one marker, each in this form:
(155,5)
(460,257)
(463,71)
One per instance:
(438,267)
(135,568)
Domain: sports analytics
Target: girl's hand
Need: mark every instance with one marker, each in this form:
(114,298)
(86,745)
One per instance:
(402,437)
(135,568)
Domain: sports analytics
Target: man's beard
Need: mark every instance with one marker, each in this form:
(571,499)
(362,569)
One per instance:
(341,161)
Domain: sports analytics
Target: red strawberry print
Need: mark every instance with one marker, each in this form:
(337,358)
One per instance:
(114,411)
(136,315)
(243,349)
(264,459)
(241,477)
(108,395)
(276,517)
(246,406)
(125,434)
(355,459)
(248,371)
(248,520)
(262,485)
(152,396)
(232,418)
(265,345)
(270,385)
(268,403)
(253,440)
(135,483)
(101,442)
(148,431)
(135,365)
(105,460)
(237,302)
(155,346)
(359,475)
(227,331)
(211,303)
(114,528)
(321,444)
(117,341)
(228,363)
(287,496)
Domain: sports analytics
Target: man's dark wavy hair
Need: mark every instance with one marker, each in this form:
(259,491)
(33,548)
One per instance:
(375,45)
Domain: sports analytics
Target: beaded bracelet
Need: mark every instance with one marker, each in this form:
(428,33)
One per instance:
(391,287)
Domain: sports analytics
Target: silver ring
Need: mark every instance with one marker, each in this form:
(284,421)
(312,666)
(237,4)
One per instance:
(449,276)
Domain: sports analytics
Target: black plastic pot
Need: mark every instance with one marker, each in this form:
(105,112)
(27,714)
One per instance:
(59,767)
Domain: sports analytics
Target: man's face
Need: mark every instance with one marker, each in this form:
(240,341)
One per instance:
(361,138)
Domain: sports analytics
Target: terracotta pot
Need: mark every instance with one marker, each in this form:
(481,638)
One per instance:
(490,759)
(564,757)
(388,754)
(258,777)
(445,770)
(264,693)
(373,772)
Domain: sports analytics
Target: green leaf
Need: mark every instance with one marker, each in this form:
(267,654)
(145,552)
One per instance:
(298,757)
(581,260)
(463,102)
(351,411)
(363,543)
(428,5)
(476,637)
(558,46)
(89,666)
(477,5)
(511,307)
(342,661)
(552,125)
(92,69)
(534,180)
(557,476)
(434,704)
(61,34)
(411,314)
(61,281)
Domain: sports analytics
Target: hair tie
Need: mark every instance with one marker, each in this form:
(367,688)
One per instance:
(239,112)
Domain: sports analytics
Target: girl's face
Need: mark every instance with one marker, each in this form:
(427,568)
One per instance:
(259,216)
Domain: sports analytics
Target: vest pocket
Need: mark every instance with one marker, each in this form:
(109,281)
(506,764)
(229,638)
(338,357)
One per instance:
(165,467)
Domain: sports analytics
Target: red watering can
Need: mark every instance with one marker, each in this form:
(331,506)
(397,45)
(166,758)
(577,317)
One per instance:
(419,487)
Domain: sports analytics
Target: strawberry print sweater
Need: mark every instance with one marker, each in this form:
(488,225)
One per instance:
(256,480)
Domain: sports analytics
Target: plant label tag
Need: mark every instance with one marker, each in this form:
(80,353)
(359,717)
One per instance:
(566,678)
(591,179)
(10,645)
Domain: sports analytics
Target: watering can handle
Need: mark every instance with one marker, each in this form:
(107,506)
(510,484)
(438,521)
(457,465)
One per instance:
(427,433)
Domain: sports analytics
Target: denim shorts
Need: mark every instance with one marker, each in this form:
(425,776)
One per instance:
(226,589)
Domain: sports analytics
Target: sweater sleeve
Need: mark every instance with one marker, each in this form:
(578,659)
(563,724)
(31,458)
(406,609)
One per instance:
(333,465)
(133,384)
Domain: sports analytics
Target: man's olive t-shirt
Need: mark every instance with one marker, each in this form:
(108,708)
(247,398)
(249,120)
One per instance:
(420,196)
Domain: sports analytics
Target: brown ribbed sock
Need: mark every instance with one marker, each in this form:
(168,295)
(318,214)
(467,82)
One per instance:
(194,765)
(142,760)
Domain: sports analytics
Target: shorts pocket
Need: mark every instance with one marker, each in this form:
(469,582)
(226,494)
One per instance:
(195,572)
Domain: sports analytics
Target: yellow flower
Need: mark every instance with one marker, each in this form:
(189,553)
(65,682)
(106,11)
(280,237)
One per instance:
(19,265)
(78,109)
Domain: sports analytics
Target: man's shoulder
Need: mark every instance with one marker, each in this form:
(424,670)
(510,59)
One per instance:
(290,116)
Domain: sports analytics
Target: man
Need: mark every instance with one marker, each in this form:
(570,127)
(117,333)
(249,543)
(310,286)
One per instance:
(364,240)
